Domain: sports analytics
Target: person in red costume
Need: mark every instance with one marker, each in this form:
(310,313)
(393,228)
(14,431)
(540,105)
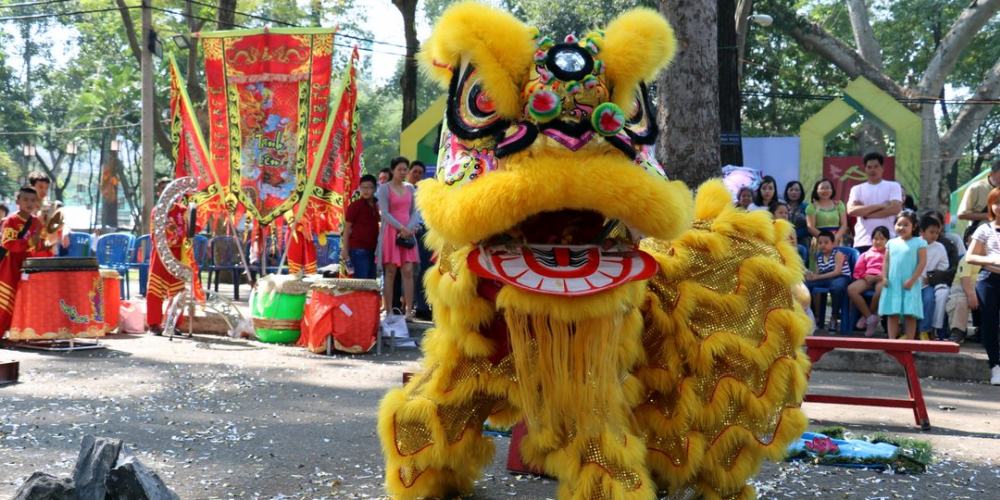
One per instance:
(162,284)
(46,210)
(301,249)
(21,238)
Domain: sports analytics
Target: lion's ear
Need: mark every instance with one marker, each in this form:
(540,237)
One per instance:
(636,46)
(493,42)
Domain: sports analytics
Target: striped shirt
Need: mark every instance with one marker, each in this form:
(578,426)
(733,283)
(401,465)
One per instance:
(825,264)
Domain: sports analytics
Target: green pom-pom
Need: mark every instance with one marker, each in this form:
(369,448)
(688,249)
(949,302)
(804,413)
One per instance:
(608,119)
(544,105)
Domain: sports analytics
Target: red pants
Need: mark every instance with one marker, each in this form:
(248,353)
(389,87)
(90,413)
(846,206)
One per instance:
(301,254)
(162,286)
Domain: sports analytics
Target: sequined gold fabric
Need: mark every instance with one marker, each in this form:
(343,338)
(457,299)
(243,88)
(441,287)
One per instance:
(629,479)
(412,437)
(709,295)
(471,368)
(455,419)
(675,449)
(409,475)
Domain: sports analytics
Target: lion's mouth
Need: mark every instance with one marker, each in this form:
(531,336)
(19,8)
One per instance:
(569,252)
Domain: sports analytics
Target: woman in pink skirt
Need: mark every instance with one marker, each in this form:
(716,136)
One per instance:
(399,222)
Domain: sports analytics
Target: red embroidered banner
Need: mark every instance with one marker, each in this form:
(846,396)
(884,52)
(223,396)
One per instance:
(340,156)
(268,96)
(190,153)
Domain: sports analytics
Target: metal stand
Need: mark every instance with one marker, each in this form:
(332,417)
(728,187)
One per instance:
(59,345)
(186,299)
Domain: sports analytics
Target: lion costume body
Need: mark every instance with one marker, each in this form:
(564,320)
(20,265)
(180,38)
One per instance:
(648,342)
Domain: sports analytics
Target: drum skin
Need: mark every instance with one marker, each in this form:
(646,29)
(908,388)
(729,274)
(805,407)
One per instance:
(54,264)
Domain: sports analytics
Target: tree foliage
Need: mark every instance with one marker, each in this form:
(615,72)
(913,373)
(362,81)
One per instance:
(818,44)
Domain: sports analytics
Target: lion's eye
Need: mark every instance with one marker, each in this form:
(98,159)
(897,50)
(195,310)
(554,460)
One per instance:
(471,112)
(641,125)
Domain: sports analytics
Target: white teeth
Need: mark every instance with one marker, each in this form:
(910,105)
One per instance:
(577,285)
(610,267)
(514,267)
(526,268)
(530,279)
(598,280)
(552,285)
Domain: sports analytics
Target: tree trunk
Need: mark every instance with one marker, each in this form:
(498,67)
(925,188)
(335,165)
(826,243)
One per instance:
(159,133)
(109,192)
(408,8)
(871,137)
(227,14)
(688,111)
(194,89)
(743,10)
(731,133)
(316,12)
(931,164)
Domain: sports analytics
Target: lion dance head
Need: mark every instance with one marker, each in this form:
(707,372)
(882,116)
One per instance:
(649,341)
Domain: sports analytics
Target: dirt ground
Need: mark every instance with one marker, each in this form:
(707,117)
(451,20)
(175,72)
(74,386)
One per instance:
(222,418)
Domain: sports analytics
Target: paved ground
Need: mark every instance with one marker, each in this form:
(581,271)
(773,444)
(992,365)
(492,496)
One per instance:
(221,418)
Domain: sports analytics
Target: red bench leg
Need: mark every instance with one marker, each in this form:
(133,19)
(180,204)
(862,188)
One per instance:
(514,463)
(905,358)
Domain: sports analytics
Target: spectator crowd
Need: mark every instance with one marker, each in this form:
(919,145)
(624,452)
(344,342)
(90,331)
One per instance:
(896,267)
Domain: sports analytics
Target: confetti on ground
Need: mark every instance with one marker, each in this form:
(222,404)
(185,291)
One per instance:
(223,418)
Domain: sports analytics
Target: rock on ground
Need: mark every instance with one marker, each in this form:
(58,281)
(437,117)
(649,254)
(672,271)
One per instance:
(42,486)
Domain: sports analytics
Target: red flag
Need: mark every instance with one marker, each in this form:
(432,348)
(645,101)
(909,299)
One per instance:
(268,100)
(190,153)
(340,159)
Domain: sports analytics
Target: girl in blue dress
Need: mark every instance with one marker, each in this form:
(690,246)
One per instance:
(905,258)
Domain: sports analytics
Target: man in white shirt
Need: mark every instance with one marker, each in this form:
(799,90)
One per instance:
(972,209)
(875,203)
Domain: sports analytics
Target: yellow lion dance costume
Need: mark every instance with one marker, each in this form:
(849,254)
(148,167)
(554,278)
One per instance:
(648,342)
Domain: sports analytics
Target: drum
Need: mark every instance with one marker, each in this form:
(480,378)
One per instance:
(346,310)
(112,299)
(276,306)
(59,298)
(58,264)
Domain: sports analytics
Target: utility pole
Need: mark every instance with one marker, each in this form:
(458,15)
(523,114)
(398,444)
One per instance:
(147,114)
(731,135)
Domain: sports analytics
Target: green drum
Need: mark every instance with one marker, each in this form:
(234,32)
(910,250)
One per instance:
(276,306)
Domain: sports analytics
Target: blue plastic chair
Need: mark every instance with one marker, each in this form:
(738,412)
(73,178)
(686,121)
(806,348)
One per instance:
(853,312)
(272,252)
(224,254)
(80,245)
(201,254)
(113,253)
(844,306)
(139,256)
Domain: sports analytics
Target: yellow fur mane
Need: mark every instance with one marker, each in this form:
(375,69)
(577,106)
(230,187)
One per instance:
(681,383)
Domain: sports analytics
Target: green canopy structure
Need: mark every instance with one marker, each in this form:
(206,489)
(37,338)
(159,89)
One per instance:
(419,140)
(862,97)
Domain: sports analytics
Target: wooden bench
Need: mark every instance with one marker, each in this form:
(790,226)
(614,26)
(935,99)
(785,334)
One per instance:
(901,350)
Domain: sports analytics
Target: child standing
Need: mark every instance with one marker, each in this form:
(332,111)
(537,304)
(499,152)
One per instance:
(933,295)
(905,259)
(832,273)
(868,275)
(21,238)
